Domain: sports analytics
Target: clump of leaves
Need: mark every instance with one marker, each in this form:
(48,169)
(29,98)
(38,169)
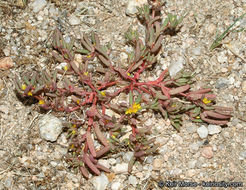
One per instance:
(89,96)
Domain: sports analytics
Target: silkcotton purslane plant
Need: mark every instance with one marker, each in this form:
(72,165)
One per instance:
(101,134)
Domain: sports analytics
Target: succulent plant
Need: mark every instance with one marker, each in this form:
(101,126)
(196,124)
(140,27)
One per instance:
(101,134)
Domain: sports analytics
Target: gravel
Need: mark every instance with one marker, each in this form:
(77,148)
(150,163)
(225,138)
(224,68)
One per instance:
(202,132)
(50,128)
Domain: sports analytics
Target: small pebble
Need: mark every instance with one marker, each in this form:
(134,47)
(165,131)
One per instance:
(157,164)
(202,132)
(116,186)
(133,180)
(73,20)
(127,156)
(120,168)
(176,66)
(207,152)
(242,155)
(38,5)
(50,127)
(244,86)
(100,182)
(214,129)
(131,7)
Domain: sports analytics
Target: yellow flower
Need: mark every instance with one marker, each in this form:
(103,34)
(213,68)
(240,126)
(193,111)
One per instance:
(66,68)
(74,126)
(73,132)
(103,93)
(197,117)
(86,73)
(23,87)
(128,74)
(133,109)
(88,56)
(29,93)
(77,101)
(113,136)
(72,146)
(41,102)
(206,101)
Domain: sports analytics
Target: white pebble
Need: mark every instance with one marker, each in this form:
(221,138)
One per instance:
(244,86)
(131,7)
(73,20)
(120,168)
(176,66)
(116,186)
(214,129)
(202,132)
(100,182)
(50,127)
(133,180)
(38,5)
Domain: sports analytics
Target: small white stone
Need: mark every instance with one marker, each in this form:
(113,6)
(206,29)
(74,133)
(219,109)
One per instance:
(50,127)
(197,51)
(214,129)
(53,163)
(120,168)
(100,182)
(73,20)
(192,164)
(4,109)
(116,186)
(53,11)
(104,163)
(40,17)
(127,156)
(176,66)
(131,7)
(133,180)
(244,86)
(112,161)
(38,5)
(242,155)
(202,132)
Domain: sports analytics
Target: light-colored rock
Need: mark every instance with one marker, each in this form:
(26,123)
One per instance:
(4,109)
(214,129)
(157,164)
(6,63)
(197,51)
(53,11)
(112,161)
(73,20)
(127,156)
(50,127)
(176,66)
(116,185)
(133,180)
(242,155)
(104,163)
(131,7)
(38,5)
(244,86)
(207,152)
(192,164)
(100,182)
(120,168)
(111,113)
(202,132)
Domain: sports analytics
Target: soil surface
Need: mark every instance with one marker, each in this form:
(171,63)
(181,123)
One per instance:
(29,162)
